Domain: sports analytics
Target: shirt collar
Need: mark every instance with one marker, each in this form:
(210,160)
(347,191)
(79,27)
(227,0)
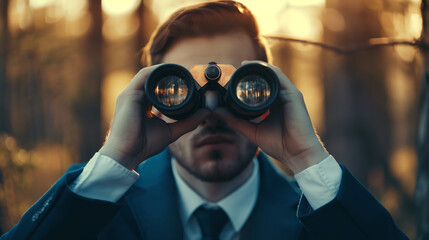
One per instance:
(238,205)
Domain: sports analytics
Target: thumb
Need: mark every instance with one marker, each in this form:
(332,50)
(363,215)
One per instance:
(177,129)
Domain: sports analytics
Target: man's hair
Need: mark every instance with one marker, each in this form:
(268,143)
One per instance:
(203,20)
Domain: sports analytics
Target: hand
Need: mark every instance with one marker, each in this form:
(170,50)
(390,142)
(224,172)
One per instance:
(135,134)
(287,134)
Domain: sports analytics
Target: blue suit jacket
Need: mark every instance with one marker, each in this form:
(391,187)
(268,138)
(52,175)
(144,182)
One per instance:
(149,211)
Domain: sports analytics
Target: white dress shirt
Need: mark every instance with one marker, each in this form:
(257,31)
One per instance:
(105,179)
(237,205)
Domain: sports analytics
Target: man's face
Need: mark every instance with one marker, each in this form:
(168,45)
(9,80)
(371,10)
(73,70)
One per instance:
(213,152)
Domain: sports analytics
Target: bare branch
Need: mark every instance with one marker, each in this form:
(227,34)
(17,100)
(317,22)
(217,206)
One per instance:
(372,44)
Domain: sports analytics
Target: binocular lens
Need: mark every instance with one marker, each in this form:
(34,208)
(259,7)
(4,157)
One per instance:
(171,91)
(253,90)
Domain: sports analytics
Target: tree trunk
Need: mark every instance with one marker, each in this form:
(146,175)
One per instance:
(422,183)
(89,111)
(4,99)
(352,118)
(148,23)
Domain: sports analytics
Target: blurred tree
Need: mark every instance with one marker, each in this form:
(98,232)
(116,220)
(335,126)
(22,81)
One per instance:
(4,37)
(147,25)
(4,103)
(422,183)
(15,165)
(361,129)
(88,107)
(355,96)
(53,94)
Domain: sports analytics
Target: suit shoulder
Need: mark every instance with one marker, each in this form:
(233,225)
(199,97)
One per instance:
(76,166)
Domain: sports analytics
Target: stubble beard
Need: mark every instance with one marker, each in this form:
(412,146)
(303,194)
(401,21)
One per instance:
(215,167)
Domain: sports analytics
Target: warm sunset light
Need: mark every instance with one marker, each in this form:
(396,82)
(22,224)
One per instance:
(333,20)
(312,89)
(74,9)
(59,8)
(119,7)
(271,16)
(415,24)
(40,3)
(306,3)
(120,27)
(360,65)
(403,164)
(18,16)
(113,84)
(266,14)
(78,27)
(299,23)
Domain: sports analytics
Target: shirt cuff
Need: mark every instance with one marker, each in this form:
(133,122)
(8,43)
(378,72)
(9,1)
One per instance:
(320,183)
(104,179)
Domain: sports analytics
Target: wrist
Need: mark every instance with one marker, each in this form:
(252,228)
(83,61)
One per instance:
(120,157)
(305,159)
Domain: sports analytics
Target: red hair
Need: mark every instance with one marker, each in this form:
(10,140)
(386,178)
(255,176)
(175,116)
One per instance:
(206,19)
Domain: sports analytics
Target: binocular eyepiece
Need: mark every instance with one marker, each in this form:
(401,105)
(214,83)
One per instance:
(247,91)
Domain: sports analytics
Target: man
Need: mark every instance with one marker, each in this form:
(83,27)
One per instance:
(209,183)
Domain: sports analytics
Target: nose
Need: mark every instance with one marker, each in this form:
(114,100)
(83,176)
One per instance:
(214,121)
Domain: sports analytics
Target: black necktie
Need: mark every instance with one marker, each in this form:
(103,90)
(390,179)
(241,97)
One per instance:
(211,222)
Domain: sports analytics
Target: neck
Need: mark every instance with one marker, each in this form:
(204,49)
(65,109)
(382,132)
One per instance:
(214,191)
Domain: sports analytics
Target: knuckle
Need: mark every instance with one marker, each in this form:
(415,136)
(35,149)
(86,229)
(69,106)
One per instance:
(144,70)
(276,68)
(120,97)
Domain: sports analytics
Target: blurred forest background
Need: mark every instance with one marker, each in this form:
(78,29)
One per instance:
(62,64)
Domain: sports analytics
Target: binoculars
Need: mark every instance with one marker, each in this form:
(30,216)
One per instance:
(247,91)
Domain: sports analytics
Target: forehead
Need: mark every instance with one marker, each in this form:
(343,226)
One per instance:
(230,48)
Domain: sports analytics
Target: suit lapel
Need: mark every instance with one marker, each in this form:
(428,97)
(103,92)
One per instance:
(153,200)
(274,215)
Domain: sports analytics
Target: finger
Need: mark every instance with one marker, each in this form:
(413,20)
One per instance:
(253,61)
(285,83)
(139,80)
(181,127)
(246,128)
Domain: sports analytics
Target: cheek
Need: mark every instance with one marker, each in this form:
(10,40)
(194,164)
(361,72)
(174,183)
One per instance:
(181,148)
(246,147)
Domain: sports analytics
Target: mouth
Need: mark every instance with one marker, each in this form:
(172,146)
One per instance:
(214,139)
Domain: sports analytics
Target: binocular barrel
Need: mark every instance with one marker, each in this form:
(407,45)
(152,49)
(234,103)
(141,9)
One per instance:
(248,93)
(171,89)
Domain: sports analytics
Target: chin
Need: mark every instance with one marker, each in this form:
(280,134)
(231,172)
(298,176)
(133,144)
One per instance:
(217,166)
(214,162)
(217,155)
